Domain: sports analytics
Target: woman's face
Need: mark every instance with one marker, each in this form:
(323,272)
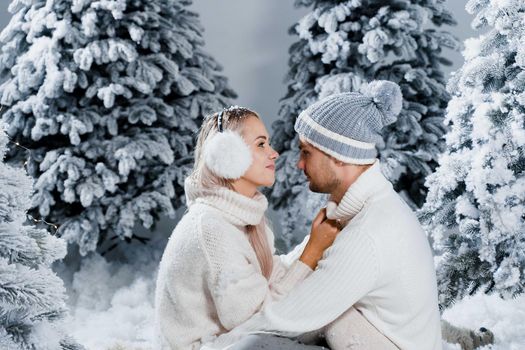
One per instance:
(262,170)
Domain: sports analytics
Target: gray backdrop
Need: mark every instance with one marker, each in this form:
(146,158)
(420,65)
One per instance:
(250,39)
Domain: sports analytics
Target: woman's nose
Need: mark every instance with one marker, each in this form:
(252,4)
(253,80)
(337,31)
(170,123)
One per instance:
(274,155)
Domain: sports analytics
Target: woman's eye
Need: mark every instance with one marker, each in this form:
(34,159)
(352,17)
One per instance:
(261,144)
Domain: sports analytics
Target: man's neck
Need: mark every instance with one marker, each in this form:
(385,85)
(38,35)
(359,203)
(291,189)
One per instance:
(339,193)
(349,176)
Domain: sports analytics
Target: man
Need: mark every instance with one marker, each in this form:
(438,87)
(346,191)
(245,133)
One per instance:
(375,287)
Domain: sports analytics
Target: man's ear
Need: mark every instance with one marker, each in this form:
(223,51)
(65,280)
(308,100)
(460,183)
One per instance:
(338,162)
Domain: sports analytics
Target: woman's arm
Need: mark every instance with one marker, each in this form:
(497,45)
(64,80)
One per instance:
(235,281)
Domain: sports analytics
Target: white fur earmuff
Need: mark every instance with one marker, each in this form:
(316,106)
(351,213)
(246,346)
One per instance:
(227,155)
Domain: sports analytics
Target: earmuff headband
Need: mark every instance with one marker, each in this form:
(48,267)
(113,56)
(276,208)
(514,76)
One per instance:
(225,153)
(219,121)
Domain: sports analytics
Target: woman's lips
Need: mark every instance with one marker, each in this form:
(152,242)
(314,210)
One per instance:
(271,167)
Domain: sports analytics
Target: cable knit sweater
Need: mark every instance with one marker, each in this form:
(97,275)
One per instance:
(209,278)
(380,263)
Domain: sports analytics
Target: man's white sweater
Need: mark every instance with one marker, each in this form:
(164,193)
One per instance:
(381,263)
(209,278)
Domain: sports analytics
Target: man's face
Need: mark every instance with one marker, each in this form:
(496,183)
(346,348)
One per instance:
(318,167)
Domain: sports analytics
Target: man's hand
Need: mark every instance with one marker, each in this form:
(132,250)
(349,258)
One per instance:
(322,236)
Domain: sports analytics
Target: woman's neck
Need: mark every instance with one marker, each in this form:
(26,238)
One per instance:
(245,188)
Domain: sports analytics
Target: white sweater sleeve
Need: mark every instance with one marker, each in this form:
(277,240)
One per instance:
(237,286)
(295,253)
(287,269)
(347,272)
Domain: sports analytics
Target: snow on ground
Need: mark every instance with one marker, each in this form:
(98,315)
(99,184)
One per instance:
(506,318)
(112,305)
(111,300)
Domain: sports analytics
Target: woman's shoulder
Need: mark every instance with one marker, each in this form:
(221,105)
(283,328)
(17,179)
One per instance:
(207,216)
(217,237)
(210,224)
(199,230)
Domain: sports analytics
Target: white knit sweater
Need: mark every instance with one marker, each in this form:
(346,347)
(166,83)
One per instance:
(381,263)
(209,278)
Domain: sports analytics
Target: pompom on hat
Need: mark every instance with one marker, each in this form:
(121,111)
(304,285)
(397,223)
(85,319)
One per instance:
(348,125)
(226,154)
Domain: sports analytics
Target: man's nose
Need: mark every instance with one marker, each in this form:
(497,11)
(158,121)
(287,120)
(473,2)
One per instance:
(300,164)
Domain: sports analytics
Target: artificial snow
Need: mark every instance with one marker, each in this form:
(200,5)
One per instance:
(112,305)
(112,302)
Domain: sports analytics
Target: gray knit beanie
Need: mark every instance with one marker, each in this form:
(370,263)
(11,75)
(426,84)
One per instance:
(347,126)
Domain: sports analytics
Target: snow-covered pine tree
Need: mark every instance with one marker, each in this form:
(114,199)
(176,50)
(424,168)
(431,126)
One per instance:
(344,43)
(107,94)
(32,296)
(475,209)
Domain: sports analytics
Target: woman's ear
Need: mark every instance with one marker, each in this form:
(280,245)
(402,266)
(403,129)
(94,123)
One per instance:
(227,155)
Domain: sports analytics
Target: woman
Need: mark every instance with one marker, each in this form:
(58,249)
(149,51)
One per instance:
(218,267)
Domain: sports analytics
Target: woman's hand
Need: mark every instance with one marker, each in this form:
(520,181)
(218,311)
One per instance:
(322,236)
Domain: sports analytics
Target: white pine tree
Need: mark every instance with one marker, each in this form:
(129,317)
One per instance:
(107,94)
(32,296)
(475,209)
(343,44)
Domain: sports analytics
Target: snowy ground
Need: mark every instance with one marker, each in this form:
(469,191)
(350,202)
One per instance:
(112,305)
(506,318)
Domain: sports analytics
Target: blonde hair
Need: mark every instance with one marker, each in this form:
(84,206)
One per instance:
(232,119)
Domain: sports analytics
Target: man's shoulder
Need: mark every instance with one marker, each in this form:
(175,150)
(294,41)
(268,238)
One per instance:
(389,207)
(385,215)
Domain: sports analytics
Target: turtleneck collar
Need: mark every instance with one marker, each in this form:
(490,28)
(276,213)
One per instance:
(237,208)
(370,182)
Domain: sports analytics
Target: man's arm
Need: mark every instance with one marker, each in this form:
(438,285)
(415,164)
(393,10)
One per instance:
(347,272)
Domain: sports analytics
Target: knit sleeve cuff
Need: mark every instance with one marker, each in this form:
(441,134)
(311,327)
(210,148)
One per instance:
(297,272)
